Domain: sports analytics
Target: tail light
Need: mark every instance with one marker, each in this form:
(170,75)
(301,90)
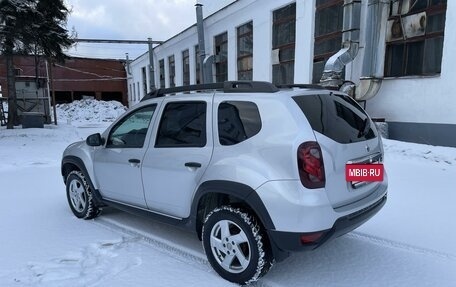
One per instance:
(310,165)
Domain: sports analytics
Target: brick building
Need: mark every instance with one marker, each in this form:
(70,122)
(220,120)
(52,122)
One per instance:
(100,78)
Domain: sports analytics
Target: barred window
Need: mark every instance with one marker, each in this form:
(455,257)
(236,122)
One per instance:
(172,71)
(161,65)
(328,34)
(221,52)
(245,51)
(197,65)
(415,36)
(283,43)
(185,68)
(144,80)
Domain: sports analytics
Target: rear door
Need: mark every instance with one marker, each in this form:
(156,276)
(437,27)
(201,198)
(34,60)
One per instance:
(178,155)
(346,135)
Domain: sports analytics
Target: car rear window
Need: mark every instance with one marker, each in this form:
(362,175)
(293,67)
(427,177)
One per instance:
(336,116)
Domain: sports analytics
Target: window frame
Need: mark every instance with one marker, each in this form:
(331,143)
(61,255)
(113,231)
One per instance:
(219,42)
(232,102)
(239,37)
(321,38)
(186,67)
(197,65)
(161,67)
(204,130)
(172,70)
(407,46)
(144,79)
(124,119)
(287,46)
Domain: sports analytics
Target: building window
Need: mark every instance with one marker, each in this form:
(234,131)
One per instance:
(138,92)
(245,51)
(172,71)
(185,68)
(283,44)
(415,38)
(161,64)
(329,16)
(221,62)
(132,92)
(197,65)
(144,80)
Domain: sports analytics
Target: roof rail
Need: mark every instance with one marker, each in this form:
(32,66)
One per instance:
(301,86)
(226,87)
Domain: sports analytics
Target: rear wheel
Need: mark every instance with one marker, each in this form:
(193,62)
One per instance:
(235,245)
(80,197)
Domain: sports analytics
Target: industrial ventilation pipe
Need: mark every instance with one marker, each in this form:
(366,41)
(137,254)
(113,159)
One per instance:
(374,48)
(374,51)
(201,45)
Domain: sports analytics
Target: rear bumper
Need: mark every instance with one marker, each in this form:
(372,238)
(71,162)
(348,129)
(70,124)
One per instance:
(291,241)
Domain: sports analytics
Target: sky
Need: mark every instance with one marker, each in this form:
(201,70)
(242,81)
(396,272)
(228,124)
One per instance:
(130,20)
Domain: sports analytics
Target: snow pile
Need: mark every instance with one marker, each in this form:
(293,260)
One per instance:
(89,111)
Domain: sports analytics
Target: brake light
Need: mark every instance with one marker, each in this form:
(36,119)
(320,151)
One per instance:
(310,165)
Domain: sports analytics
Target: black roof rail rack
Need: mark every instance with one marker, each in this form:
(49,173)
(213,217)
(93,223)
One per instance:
(301,86)
(226,87)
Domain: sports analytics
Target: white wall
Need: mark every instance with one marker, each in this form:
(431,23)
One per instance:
(416,99)
(227,20)
(136,77)
(419,99)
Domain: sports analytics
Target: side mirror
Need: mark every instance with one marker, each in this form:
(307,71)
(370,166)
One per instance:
(94,140)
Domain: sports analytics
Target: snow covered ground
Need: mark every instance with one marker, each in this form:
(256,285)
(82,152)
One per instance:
(411,242)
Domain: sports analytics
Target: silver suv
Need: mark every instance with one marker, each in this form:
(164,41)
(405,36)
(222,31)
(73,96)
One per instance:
(256,170)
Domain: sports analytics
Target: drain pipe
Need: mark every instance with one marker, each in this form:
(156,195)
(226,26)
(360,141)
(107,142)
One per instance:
(201,42)
(374,51)
(151,65)
(332,74)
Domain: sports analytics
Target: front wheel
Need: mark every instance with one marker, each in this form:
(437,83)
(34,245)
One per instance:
(235,245)
(80,196)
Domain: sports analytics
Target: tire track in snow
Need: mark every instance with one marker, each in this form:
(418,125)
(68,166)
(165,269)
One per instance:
(400,245)
(199,260)
(175,250)
(160,243)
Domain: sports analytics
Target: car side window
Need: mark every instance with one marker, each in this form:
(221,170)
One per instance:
(183,124)
(237,121)
(132,130)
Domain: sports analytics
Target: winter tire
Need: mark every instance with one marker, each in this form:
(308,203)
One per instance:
(235,245)
(80,196)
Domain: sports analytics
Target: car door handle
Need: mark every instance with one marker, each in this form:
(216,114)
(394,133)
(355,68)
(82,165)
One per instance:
(193,164)
(134,161)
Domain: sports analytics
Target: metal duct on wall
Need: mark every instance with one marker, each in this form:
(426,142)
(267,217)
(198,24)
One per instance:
(374,50)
